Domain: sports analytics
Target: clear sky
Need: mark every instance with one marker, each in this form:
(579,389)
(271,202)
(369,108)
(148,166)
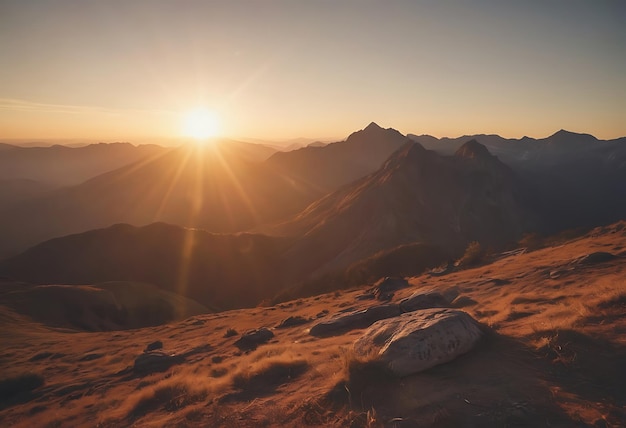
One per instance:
(121,69)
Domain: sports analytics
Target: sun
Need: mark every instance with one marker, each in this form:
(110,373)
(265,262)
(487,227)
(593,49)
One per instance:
(200,124)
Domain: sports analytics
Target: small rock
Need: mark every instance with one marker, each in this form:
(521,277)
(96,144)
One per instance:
(91,357)
(158,361)
(349,321)
(154,346)
(391,283)
(423,300)
(366,296)
(292,321)
(417,341)
(595,258)
(253,338)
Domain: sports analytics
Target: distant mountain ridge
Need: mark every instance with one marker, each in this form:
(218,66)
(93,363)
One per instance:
(417,196)
(333,165)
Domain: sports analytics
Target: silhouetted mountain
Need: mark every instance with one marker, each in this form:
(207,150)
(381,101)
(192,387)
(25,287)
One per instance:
(215,189)
(219,271)
(337,164)
(63,166)
(417,196)
(577,179)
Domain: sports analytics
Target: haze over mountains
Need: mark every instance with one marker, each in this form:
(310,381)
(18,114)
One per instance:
(309,213)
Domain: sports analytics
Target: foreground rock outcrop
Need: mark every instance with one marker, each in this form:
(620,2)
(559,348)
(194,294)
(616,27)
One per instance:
(417,341)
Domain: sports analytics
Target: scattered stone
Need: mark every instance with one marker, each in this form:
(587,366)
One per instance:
(423,300)
(595,258)
(217,359)
(253,338)
(91,357)
(156,361)
(293,321)
(349,321)
(154,346)
(40,356)
(391,283)
(322,314)
(416,341)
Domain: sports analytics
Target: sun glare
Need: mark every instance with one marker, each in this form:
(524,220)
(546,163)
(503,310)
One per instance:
(200,124)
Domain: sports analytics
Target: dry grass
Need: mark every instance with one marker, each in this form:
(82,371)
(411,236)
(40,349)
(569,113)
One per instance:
(169,395)
(474,255)
(269,373)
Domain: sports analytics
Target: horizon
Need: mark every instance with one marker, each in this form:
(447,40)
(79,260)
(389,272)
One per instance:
(280,143)
(288,70)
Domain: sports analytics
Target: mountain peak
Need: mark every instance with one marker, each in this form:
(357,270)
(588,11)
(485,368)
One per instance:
(472,149)
(568,137)
(373,126)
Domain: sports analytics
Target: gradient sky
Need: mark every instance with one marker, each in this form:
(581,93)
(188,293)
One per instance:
(121,69)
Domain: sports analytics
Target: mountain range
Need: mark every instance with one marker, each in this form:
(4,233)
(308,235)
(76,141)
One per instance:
(352,209)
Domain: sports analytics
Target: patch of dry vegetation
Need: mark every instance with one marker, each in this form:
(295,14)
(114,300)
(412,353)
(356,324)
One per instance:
(169,395)
(474,255)
(265,375)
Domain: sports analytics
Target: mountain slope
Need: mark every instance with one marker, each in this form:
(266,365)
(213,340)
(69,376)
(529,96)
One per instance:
(333,165)
(57,166)
(216,189)
(218,271)
(417,196)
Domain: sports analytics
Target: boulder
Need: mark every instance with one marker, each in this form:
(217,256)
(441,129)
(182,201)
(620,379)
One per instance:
(385,288)
(293,321)
(157,344)
(253,338)
(423,300)
(358,319)
(158,361)
(416,341)
(595,258)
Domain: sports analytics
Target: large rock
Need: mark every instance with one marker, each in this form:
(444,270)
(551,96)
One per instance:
(253,338)
(417,341)
(424,300)
(157,361)
(358,319)
(385,288)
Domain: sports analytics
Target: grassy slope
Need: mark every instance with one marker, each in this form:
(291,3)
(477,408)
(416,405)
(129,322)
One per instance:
(555,358)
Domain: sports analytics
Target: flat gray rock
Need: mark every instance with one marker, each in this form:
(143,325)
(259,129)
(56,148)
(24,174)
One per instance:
(351,320)
(416,341)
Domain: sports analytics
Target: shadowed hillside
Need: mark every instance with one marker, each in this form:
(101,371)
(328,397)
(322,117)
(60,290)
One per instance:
(417,196)
(333,165)
(217,189)
(57,165)
(219,271)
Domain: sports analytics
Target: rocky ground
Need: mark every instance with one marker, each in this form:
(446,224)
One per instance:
(550,330)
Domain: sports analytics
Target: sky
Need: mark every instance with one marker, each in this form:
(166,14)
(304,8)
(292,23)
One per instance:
(128,70)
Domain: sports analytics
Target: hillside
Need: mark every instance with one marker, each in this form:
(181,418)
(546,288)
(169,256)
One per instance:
(416,196)
(58,166)
(219,271)
(552,355)
(330,166)
(217,189)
